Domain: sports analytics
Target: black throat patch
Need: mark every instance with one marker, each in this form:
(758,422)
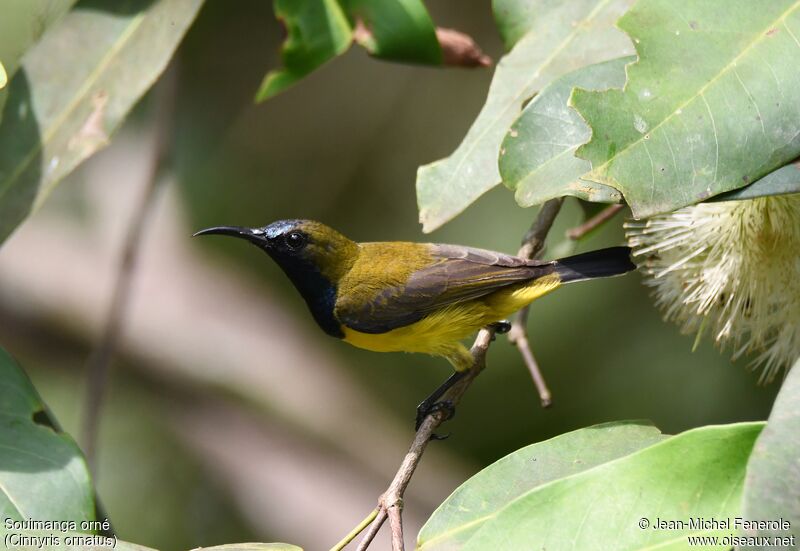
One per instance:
(318,292)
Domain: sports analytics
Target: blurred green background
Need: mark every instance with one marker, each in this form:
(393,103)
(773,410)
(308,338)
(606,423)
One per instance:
(231,417)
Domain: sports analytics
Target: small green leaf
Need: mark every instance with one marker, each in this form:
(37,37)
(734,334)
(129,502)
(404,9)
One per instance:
(771,489)
(537,157)
(783,181)
(399,30)
(74,89)
(712,104)
(43,475)
(483,496)
(514,18)
(564,36)
(317,31)
(616,503)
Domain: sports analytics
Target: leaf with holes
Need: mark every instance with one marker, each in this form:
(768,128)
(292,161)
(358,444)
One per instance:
(604,504)
(564,36)
(712,104)
(316,32)
(537,157)
(43,475)
(771,489)
(74,89)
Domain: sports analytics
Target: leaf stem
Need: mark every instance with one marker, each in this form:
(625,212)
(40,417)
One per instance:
(356,531)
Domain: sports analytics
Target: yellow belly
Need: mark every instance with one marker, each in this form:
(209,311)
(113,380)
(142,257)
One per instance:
(440,333)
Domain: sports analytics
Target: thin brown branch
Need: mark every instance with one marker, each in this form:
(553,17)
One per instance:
(374,528)
(533,242)
(396,526)
(595,221)
(98,364)
(390,504)
(532,246)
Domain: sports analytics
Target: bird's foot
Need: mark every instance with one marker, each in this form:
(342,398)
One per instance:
(500,327)
(426,408)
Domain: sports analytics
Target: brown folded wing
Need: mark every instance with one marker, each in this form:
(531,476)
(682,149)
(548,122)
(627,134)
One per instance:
(456,274)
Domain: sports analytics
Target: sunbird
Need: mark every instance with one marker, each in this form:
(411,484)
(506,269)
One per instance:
(413,297)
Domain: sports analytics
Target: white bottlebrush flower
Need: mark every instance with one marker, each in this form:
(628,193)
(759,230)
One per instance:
(731,268)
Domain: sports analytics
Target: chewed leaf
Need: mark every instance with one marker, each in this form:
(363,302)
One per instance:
(712,105)
(43,475)
(537,157)
(316,32)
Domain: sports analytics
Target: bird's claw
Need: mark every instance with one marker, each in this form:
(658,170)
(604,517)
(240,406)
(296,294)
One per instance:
(501,327)
(425,409)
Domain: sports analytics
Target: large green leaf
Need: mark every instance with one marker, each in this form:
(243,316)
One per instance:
(43,475)
(712,104)
(564,36)
(772,486)
(22,23)
(399,30)
(317,31)
(537,157)
(482,497)
(74,89)
(783,181)
(698,473)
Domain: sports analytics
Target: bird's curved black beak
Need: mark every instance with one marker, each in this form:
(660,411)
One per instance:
(253,235)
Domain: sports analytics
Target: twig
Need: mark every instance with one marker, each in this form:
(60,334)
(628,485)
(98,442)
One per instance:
(356,531)
(532,246)
(533,242)
(100,360)
(604,215)
(374,528)
(390,504)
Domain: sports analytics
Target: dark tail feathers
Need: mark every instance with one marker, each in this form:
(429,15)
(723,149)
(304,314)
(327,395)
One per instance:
(602,263)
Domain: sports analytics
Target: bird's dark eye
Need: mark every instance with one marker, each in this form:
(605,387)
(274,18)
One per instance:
(295,240)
